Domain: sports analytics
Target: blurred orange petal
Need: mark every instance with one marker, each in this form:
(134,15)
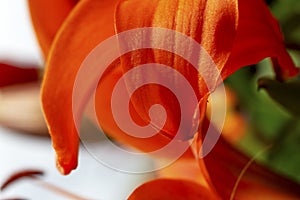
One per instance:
(235,124)
(89,23)
(47,17)
(10,74)
(171,189)
(184,168)
(20,175)
(225,162)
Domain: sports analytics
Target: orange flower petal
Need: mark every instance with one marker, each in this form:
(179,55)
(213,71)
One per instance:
(171,189)
(47,17)
(258,36)
(226,163)
(206,21)
(106,118)
(12,75)
(89,23)
(108,124)
(184,168)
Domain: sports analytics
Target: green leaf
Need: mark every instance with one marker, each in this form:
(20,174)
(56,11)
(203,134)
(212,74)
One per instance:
(286,94)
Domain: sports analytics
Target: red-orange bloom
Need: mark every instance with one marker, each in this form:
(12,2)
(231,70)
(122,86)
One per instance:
(235,33)
(221,28)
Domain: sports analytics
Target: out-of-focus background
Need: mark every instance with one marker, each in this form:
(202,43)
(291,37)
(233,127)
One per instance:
(17,39)
(21,151)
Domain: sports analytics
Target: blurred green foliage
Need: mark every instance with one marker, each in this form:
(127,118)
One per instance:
(288,14)
(285,93)
(272,122)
